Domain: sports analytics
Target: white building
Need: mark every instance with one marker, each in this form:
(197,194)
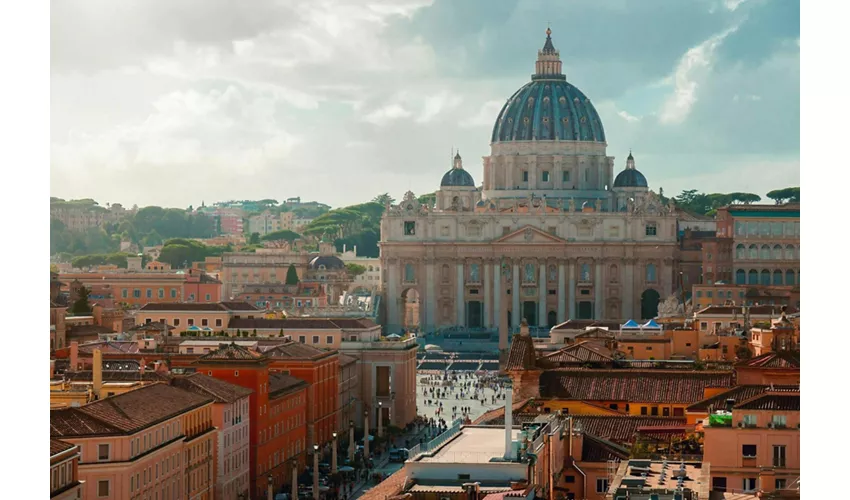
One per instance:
(369,280)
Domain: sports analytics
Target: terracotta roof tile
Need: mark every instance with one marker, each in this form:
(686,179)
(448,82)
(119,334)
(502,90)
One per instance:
(622,428)
(231,352)
(294,350)
(110,346)
(239,306)
(140,408)
(778,359)
(522,355)
(118,376)
(221,391)
(391,486)
(345,359)
(777,402)
(280,385)
(594,449)
(57,446)
(76,422)
(649,386)
(740,394)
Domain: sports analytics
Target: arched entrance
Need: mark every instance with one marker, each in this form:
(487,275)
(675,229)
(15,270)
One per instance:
(410,309)
(552,318)
(649,300)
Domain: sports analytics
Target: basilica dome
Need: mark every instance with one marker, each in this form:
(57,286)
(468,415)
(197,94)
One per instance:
(548,108)
(630,177)
(457,176)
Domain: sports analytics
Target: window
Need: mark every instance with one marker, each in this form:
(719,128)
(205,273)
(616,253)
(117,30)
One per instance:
(218,322)
(525,176)
(565,176)
(585,272)
(409,228)
(302,339)
(137,294)
(176,321)
(614,232)
(102,489)
(236,373)
(779,455)
(463,477)
(651,229)
(103,452)
(409,275)
(173,293)
(124,293)
(570,479)
(678,412)
(650,273)
(780,484)
(208,297)
(748,450)
(204,322)
(149,293)
(750,420)
(718,483)
(749,484)
(545,176)
(330,339)
(191,321)
(779,421)
(315,339)
(601,485)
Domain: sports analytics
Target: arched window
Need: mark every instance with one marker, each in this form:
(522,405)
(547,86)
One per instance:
(765,252)
(650,273)
(754,252)
(789,252)
(370,268)
(408,272)
(777,277)
(789,277)
(740,277)
(777,252)
(765,277)
(753,277)
(585,272)
(740,251)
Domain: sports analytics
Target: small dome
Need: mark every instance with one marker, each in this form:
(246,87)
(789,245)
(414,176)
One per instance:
(329,262)
(630,178)
(457,177)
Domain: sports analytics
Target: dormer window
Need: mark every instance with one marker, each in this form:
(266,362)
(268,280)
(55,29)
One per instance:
(409,228)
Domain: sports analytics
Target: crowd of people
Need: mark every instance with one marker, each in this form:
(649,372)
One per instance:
(445,387)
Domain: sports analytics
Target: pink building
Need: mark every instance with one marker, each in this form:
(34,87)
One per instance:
(64,478)
(757,449)
(155,441)
(230,416)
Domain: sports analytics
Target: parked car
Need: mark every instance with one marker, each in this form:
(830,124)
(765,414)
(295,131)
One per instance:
(399,454)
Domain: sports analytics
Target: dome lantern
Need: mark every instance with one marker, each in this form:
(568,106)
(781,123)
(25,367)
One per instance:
(548,64)
(630,177)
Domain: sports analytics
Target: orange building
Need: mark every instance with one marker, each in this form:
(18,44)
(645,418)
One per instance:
(64,477)
(142,443)
(139,288)
(755,446)
(195,316)
(777,367)
(277,410)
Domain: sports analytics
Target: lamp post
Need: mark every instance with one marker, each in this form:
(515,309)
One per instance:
(380,419)
(366,436)
(333,456)
(294,479)
(315,472)
(351,443)
(271,488)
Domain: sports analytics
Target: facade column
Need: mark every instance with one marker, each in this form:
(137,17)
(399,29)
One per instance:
(667,278)
(629,289)
(497,295)
(542,319)
(487,322)
(430,297)
(393,294)
(571,289)
(459,299)
(562,298)
(598,286)
(515,312)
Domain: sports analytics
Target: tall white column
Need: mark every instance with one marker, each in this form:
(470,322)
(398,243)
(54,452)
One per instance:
(571,289)
(541,294)
(487,321)
(515,312)
(597,286)
(430,297)
(497,293)
(393,295)
(459,300)
(562,298)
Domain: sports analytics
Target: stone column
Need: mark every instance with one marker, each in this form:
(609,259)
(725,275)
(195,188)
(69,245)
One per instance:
(459,299)
(393,295)
(562,298)
(571,289)
(497,305)
(541,293)
(515,312)
(487,321)
(598,286)
(629,289)
(666,278)
(430,296)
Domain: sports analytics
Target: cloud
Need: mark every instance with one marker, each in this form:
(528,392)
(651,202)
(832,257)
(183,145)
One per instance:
(486,115)
(733,4)
(692,69)
(629,118)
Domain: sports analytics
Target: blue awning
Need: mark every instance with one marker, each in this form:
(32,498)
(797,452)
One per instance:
(651,324)
(630,324)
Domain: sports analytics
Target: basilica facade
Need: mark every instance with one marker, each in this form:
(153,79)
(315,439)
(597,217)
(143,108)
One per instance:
(550,234)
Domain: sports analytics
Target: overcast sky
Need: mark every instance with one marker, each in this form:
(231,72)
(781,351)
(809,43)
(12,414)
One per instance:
(177,102)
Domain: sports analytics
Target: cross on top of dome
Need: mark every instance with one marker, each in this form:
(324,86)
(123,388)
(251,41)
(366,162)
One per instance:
(548,60)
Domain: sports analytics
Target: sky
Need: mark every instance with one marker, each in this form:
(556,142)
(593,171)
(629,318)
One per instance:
(190,101)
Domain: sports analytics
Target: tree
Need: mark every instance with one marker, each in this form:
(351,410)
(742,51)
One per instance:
(291,275)
(383,199)
(54,268)
(786,195)
(255,239)
(355,270)
(427,199)
(81,305)
(284,234)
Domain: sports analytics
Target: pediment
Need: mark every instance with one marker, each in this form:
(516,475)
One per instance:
(529,235)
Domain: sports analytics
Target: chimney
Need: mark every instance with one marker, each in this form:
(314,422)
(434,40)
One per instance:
(509,420)
(142,366)
(730,403)
(75,349)
(97,373)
